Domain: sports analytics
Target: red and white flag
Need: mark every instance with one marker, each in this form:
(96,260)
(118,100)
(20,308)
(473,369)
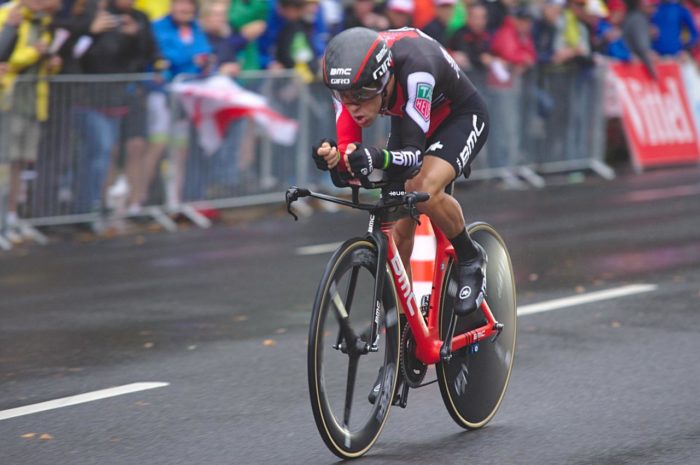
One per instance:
(213,103)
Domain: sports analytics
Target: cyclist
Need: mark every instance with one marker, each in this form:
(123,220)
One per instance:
(439,123)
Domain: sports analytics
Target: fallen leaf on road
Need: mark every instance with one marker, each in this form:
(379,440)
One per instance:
(46,437)
(191,347)
(28,435)
(580,289)
(240,318)
(148,345)
(269,343)
(533,277)
(281,330)
(615,324)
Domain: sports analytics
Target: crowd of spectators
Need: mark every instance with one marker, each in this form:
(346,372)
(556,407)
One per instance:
(494,40)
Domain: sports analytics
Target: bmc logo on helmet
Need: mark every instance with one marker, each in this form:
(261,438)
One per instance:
(341,71)
(383,68)
(381,53)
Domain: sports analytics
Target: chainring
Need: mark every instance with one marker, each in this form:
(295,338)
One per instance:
(413,370)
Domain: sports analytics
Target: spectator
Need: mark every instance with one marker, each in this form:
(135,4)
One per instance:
(365,13)
(155,9)
(184,46)
(671,20)
(224,43)
(399,13)
(572,43)
(293,48)
(514,52)
(609,36)
(120,42)
(306,14)
(437,28)
(471,45)
(496,12)
(145,56)
(8,34)
(694,8)
(544,31)
(423,12)
(332,15)
(249,20)
(218,171)
(25,103)
(512,42)
(635,30)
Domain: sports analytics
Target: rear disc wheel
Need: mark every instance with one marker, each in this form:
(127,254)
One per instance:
(473,382)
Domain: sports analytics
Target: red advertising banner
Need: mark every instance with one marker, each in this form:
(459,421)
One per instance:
(657,120)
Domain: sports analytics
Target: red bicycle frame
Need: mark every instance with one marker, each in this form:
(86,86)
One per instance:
(428,342)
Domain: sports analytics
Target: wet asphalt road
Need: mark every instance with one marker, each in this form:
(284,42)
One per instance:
(221,316)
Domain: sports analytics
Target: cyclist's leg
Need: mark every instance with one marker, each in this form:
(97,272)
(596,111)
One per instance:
(404,232)
(452,149)
(443,209)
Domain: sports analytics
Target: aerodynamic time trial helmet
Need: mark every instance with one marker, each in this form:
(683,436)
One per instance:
(357,64)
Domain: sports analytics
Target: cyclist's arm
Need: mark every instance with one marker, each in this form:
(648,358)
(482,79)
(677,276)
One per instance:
(347,129)
(411,130)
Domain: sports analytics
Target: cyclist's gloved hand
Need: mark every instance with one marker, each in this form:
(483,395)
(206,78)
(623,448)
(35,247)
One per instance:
(325,155)
(364,160)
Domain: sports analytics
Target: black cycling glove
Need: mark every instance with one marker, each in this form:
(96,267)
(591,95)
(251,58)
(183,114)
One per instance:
(364,160)
(320,161)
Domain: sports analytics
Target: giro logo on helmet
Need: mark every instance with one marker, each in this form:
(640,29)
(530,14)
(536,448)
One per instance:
(340,81)
(383,68)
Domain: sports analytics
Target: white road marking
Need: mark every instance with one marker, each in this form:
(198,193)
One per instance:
(318,249)
(566,302)
(79,399)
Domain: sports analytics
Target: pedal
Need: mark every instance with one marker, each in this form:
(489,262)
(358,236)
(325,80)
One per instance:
(401,399)
(498,327)
(446,349)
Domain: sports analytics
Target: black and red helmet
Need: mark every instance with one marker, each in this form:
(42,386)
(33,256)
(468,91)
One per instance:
(357,64)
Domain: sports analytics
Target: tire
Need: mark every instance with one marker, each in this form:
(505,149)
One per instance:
(473,384)
(329,367)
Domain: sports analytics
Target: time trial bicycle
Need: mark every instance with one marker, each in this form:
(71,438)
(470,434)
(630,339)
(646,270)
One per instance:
(357,350)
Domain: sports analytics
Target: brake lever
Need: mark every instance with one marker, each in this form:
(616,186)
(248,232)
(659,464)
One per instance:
(412,210)
(291,196)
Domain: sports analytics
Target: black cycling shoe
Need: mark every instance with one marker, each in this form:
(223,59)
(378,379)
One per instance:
(374,393)
(472,284)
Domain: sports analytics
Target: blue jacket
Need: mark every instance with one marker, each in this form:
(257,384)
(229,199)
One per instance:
(275,23)
(617,48)
(670,18)
(180,54)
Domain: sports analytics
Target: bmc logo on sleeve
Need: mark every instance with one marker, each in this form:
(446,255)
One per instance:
(424,97)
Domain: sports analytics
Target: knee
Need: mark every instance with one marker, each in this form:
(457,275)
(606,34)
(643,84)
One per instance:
(424,183)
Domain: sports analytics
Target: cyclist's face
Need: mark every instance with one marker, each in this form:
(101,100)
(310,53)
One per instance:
(364,112)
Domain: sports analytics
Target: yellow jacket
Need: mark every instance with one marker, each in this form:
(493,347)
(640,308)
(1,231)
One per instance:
(24,56)
(155,9)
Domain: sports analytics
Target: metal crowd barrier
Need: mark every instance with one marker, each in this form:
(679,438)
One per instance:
(121,146)
(550,120)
